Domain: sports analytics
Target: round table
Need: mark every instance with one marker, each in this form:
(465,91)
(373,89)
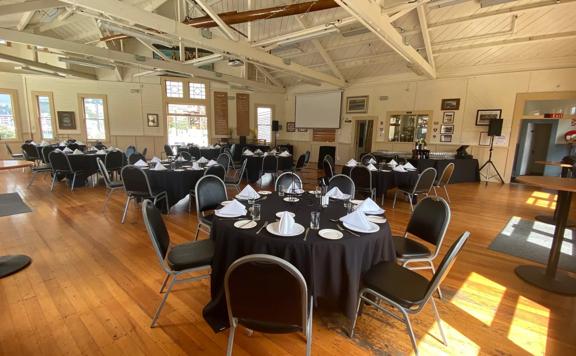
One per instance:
(177,183)
(332,268)
(254,165)
(550,278)
(551,219)
(13,263)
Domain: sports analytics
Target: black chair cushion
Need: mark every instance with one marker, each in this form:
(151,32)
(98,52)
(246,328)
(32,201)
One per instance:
(408,248)
(116,184)
(397,283)
(190,255)
(269,327)
(207,219)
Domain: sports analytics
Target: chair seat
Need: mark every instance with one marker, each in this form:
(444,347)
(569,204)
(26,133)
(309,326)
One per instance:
(190,255)
(208,219)
(116,184)
(397,283)
(43,168)
(408,248)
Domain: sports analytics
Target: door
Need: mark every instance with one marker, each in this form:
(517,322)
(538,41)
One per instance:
(538,148)
(363,134)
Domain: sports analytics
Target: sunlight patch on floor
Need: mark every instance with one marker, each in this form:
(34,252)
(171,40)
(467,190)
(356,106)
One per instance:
(458,343)
(529,328)
(479,297)
(544,200)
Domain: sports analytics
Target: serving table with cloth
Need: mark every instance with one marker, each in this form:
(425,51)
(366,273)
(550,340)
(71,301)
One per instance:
(332,268)
(254,165)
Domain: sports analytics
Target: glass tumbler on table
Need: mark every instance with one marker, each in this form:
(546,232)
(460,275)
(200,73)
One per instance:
(315,220)
(281,191)
(256,209)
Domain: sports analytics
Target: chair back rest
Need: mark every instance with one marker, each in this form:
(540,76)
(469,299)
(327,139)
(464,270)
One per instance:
(446,174)
(242,169)
(135,157)
(233,150)
(445,266)
(328,170)
(103,171)
(430,221)
(267,292)
(114,160)
(216,170)
(301,161)
(224,160)
(156,230)
(210,192)
(100,146)
(30,152)
(185,154)
(59,162)
(144,151)
(9,149)
(269,164)
(344,183)
(425,181)
(285,179)
(73,146)
(366,158)
(135,180)
(330,159)
(130,150)
(168,150)
(307,153)
(46,153)
(195,151)
(362,177)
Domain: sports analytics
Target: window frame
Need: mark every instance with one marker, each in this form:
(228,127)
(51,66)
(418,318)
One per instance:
(272,115)
(15,113)
(416,113)
(49,94)
(82,116)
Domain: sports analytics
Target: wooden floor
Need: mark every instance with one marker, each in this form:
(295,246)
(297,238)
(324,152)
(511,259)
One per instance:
(93,286)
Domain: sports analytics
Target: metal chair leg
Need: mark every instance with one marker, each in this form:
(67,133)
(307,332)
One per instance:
(108,193)
(53,181)
(231,340)
(410,197)
(395,195)
(31,180)
(447,195)
(126,209)
(437,316)
(164,282)
(157,314)
(197,232)
(410,331)
(309,325)
(435,192)
(73,182)
(351,333)
(434,272)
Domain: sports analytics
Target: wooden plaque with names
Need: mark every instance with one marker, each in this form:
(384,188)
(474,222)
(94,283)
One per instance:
(243,114)
(220,113)
(324,135)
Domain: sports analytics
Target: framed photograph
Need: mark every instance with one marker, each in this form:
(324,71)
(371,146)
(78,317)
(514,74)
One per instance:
(66,120)
(302,130)
(450,104)
(357,104)
(153,120)
(484,116)
(447,129)
(448,118)
(445,138)
(484,139)
(291,126)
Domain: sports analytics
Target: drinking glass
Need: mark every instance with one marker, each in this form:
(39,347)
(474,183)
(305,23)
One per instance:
(315,220)
(281,191)
(256,212)
(348,205)
(317,192)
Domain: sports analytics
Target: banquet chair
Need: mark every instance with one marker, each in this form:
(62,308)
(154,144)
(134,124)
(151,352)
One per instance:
(269,295)
(269,166)
(224,160)
(184,154)
(428,223)
(237,178)
(110,184)
(114,161)
(285,179)
(195,152)
(344,183)
(144,151)
(300,163)
(405,290)
(135,157)
(168,151)
(73,146)
(216,170)
(175,260)
(45,154)
(330,159)
(423,184)
(99,145)
(307,154)
(444,180)
(43,167)
(210,191)
(366,159)
(328,168)
(17,156)
(137,187)
(60,166)
(30,153)
(362,178)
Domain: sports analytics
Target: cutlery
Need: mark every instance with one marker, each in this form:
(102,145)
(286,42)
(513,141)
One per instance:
(246,223)
(306,234)
(335,220)
(347,230)
(236,218)
(263,226)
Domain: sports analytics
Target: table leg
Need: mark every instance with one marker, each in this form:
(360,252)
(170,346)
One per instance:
(550,278)
(13,264)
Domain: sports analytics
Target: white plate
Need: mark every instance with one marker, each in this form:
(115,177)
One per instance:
(291,199)
(375,212)
(356,201)
(279,214)
(226,202)
(330,234)
(376,219)
(373,229)
(313,191)
(273,229)
(264,192)
(239,197)
(297,191)
(245,224)
(217,213)
(178,170)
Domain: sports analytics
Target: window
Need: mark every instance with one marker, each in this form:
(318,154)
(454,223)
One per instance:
(94,114)
(197,91)
(174,89)
(44,111)
(7,116)
(408,127)
(264,123)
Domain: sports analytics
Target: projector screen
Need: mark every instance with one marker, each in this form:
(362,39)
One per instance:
(318,110)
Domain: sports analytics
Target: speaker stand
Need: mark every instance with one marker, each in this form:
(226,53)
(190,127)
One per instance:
(489,163)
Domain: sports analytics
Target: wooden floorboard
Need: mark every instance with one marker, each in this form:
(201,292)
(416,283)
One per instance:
(93,285)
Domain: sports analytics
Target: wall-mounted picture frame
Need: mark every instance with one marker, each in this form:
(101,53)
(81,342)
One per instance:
(152,120)
(447,129)
(451,104)
(484,116)
(445,138)
(302,130)
(291,126)
(66,120)
(448,117)
(484,139)
(357,104)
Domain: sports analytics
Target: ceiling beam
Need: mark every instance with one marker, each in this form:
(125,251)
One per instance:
(130,59)
(25,20)
(402,12)
(117,72)
(421,10)
(153,49)
(29,6)
(60,20)
(47,67)
(268,76)
(193,36)
(154,4)
(228,32)
(370,15)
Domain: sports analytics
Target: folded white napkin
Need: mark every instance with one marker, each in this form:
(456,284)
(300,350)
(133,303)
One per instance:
(195,166)
(63,143)
(67,150)
(79,142)
(336,193)
(211,163)
(43,143)
(399,169)
(33,143)
(217,146)
(293,188)
(284,154)
(181,159)
(100,152)
(286,225)
(140,163)
(357,220)
(248,153)
(371,167)
(57,150)
(155,159)
(202,160)
(258,151)
(159,167)
(368,206)
(273,151)
(235,208)
(409,165)
(392,163)
(77,152)
(352,163)
(248,192)
(372,161)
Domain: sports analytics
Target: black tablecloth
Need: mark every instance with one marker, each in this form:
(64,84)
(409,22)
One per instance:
(384,180)
(176,183)
(206,152)
(332,269)
(254,166)
(465,170)
(85,163)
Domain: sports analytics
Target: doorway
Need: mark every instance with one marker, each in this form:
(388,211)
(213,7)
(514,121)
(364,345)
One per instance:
(363,134)
(533,146)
